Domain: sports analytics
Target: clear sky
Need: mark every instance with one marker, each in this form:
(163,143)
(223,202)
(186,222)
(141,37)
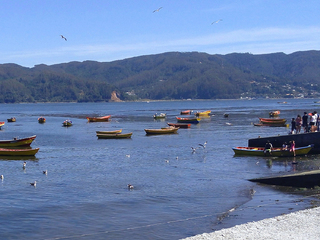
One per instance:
(108,30)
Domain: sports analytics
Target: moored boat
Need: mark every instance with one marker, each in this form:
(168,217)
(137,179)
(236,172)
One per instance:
(1,124)
(114,135)
(186,112)
(18,152)
(99,119)
(41,120)
(271,124)
(276,152)
(109,132)
(180,125)
(16,142)
(168,130)
(67,123)
(205,113)
(159,115)
(13,119)
(188,120)
(273,120)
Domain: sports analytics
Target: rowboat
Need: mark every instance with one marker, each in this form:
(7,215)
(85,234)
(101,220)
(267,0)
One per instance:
(180,125)
(186,112)
(41,120)
(168,130)
(271,124)
(205,113)
(188,120)
(18,152)
(15,142)
(159,115)
(1,124)
(99,119)
(109,132)
(11,119)
(114,135)
(276,152)
(274,113)
(272,120)
(67,123)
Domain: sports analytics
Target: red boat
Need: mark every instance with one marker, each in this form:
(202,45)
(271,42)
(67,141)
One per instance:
(99,119)
(186,112)
(180,125)
(1,124)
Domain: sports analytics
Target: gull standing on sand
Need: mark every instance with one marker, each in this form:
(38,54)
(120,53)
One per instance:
(63,37)
(157,10)
(24,165)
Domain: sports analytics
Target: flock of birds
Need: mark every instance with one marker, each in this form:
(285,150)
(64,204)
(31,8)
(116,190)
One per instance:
(154,11)
(24,165)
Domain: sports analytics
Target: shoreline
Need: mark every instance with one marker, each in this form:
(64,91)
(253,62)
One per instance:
(302,224)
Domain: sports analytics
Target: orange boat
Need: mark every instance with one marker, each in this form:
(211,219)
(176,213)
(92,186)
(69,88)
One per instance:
(99,119)
(1,124)
(186,112)
(274,113)
(272,120)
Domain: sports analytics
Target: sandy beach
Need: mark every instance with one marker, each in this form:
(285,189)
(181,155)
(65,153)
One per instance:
(302,224)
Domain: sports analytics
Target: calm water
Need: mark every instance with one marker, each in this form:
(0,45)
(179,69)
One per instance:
(176,193)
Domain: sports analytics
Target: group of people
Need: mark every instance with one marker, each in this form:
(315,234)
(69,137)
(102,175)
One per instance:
(285,147)
(309,123)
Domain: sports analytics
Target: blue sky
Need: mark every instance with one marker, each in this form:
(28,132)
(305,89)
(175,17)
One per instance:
(108,30)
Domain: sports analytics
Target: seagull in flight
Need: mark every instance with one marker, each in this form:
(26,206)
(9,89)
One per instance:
(157,10)
(203,145)
(63,37)
(216,21)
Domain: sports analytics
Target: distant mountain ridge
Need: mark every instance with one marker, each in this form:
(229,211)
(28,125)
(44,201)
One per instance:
(172,75)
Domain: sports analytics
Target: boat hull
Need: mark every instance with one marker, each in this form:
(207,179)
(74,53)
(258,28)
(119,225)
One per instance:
(203,114)
(276,152)
(18,152)
(272,120)
(23,142)
(109,132)
(188,120)
(161,131)
(99,119)
(180,125)
(114,136)
(301,140)
(186,112)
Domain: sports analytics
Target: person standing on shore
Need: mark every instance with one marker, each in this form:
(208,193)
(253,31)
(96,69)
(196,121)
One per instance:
(305,122)
(298,123)
(313,122)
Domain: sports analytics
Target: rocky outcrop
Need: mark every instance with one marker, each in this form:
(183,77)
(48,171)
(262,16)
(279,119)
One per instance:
(115,97)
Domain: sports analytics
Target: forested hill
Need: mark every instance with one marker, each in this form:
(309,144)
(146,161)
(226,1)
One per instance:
(172,75)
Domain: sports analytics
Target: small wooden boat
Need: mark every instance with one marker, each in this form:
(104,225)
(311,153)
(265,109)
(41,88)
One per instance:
(168,130)
(270,124)
(188,120)
(276,152)
(180,125)
(18,152)
(109,132)
(114,135)
(67,123)
(159,115)
(274,113)
(41,120)
(205,113)
(273,120)
(15,142)
(13,119)
(186,112)
(99,119)
(1,124)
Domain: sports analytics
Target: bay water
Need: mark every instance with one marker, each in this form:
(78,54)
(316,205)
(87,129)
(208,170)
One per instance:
(177,193)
